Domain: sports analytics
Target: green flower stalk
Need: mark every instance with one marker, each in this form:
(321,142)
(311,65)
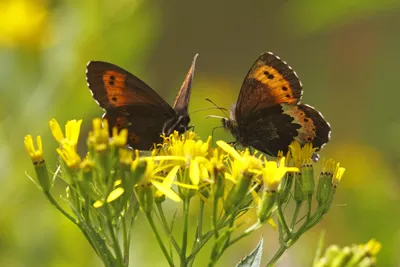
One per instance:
(107,189)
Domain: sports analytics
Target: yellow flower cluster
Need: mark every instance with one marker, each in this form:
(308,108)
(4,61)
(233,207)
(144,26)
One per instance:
(185,161)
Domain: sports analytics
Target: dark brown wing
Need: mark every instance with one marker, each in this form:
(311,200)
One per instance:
(275,128)
(270,81)
(129,103)
(144,124)
(113,87)
(182,98)
(268,130)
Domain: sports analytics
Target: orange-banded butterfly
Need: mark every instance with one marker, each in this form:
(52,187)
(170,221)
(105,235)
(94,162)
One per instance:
(130,103)
(268,114)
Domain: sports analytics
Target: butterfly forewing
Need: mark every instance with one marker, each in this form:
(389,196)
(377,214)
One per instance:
(270,81)
(182,98)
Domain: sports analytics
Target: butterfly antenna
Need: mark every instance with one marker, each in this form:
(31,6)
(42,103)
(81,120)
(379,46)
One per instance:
(203,109)
(218,107)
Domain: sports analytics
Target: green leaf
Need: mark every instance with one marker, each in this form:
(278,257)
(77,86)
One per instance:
(254,258)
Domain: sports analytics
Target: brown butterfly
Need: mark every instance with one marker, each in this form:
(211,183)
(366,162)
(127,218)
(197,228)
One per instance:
(130,103)
(268,114)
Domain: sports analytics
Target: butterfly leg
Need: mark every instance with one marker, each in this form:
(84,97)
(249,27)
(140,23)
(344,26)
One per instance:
(212,132)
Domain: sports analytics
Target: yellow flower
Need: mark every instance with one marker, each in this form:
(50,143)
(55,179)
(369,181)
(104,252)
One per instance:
(187,146)
(35,154)
(87,165)
(333,169)
(69,156)
(300,154)
(125,156)
(119,139)
(373,247)
(72,129)
(337,175)
(164,188)
(155,166)
(99,136)
(192,150)
(240,163)
(23,22)
(273,172)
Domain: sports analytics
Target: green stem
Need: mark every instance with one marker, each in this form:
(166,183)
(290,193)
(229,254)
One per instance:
(214,217)
(248,231)
(204,239)
(55,204)
(277,255)
(199,231)
(186,203)
(166,228)
(158,237)
(125,241)
(295,215)
(281,218)
(309,202)
(116,247)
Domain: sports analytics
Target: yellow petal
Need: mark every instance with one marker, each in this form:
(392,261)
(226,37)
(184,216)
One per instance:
(116,193)
(56,130)
(168,192)
(194,172)
(229,149)
(170,177)
(98,204)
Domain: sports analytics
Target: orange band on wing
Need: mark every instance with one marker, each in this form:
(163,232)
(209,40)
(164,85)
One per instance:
(278,87)
(307,132)
(114,83)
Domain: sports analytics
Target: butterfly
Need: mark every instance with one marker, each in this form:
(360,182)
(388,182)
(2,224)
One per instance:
(130,103)
(268,114)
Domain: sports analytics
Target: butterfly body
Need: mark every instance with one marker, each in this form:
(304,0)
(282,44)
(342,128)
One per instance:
(130,103)
(268,114)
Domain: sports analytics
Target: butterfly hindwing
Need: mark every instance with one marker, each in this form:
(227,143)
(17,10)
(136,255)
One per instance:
(144,125)
(268,130)
(270,81)
(314,128)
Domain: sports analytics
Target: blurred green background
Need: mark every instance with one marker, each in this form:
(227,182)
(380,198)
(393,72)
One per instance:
(345,52)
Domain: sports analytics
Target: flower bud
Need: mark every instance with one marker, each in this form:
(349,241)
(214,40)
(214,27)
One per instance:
(43,176)
(307,178)
(285,187)
(238,192)
(145,197)
(299,194)
(266,206)
(324,188)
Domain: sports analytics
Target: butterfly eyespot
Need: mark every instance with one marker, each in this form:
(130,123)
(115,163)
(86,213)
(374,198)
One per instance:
(114,99)
(266,73)
(270,76)
(112,77)
(314,129)
(305,119)
(288,96)
(111,82)
(309,139)
(284,88)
